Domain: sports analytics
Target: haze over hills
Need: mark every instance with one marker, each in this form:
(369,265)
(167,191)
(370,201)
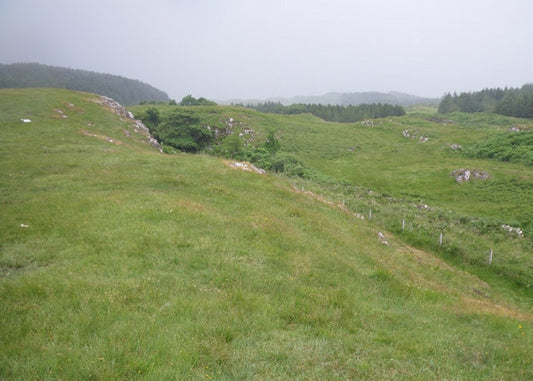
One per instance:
(345,99)
(130,91)
(122,89)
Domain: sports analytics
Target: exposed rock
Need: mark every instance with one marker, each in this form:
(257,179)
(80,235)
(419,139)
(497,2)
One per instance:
(116,107)
(512,230)
(246,167)
(465,174)
(219,132)
(382,239)
(516,128)
(359,215)
(456,147)
(424,207)
(24,120)
(231,123)
(414,135)
(139,126)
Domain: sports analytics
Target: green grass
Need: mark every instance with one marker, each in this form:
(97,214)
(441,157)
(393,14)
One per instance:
(402,173)
(141,265)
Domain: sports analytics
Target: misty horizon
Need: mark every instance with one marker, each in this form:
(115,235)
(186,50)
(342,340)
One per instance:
(259,50)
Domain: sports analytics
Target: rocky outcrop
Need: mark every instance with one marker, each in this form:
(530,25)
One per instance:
(139,126)
(465,174)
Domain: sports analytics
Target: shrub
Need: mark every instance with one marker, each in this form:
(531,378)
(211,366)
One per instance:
(514,147)
(181,129)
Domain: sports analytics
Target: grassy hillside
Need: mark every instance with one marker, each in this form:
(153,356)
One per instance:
(124,90)
(401,168)
(118,262)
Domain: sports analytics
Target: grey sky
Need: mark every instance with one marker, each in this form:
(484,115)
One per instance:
(235,48)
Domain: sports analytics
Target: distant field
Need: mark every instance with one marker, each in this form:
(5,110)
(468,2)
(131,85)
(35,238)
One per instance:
(119,262)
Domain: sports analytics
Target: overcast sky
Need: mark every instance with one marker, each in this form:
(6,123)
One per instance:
(235,48)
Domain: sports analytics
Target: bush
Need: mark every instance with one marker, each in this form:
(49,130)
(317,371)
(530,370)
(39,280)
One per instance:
(231,147)
(514,147)
(181,129)
(288,164)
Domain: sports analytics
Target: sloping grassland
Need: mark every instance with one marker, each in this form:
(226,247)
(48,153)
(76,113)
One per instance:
(119,262)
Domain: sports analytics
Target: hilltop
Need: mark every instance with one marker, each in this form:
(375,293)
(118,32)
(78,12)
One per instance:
(118,261)
(123,90)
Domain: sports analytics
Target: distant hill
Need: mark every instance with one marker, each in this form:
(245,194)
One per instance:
(346,99)
(123,90)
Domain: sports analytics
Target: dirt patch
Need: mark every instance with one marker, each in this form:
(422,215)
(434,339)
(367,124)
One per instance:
(101,137)
(488,307)
(321,198)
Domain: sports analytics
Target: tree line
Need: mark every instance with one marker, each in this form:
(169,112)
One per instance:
(123,90)
(332,113)
(516,102)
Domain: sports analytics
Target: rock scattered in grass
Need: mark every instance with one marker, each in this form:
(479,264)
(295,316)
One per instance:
(424,207)
(414,135)
(464,174)
(382,239)
(517,128)
(513,230)
(455,147)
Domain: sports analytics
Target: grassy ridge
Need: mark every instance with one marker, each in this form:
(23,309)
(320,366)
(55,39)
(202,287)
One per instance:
(141,265)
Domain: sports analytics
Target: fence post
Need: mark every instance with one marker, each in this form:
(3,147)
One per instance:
(490,256)
(403,224)
(440,240)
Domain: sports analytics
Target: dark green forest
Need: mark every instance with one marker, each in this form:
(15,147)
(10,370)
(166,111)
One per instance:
(508,101)
(333,113)
(124,90)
